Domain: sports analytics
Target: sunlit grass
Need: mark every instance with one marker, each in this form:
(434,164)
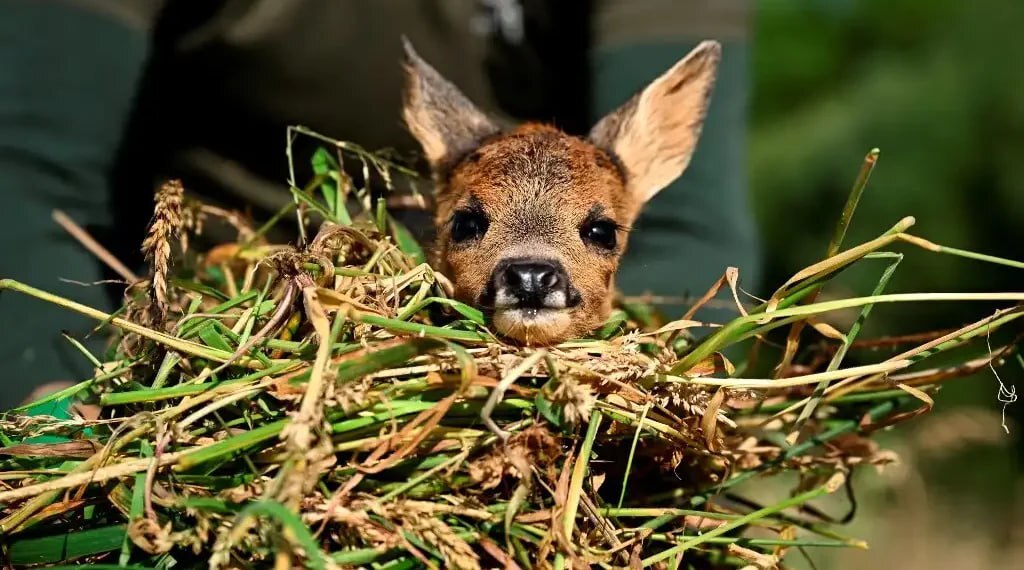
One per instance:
(327,405)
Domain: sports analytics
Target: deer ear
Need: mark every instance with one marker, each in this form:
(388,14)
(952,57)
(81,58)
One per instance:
(446,124)
(655,133)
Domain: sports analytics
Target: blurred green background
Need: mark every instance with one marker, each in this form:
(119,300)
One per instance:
(938,86)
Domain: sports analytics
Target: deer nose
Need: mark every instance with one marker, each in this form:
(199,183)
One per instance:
(536,283)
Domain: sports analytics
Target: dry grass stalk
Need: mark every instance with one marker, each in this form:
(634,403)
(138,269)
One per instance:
(88,242)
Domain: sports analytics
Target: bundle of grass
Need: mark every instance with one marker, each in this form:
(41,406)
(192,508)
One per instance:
(330,405)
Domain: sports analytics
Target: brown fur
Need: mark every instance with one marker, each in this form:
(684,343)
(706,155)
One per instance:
(538,185)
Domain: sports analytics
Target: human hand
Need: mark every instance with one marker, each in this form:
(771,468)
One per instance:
(85,411)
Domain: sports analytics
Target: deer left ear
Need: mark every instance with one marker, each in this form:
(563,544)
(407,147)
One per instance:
(446,124)
(655,133)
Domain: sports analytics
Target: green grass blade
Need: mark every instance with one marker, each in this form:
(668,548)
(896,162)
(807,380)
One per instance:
(800,499)
(294,525)
(848,339)
(66,546)
(632,452)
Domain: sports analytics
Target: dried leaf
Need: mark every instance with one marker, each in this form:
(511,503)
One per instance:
(79,449)
(757,560)
(717,363)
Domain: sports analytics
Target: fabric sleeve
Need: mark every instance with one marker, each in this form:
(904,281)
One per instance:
(70,69)
(701,224)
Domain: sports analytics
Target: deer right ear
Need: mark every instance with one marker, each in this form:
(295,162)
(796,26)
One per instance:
(655,133)
(446,124)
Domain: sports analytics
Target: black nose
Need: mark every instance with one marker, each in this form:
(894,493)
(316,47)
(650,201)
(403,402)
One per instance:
(532,281)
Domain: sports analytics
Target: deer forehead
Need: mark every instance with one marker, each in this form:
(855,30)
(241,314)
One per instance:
(539,173)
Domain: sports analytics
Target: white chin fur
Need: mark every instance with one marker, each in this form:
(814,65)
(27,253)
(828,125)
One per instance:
(533,326)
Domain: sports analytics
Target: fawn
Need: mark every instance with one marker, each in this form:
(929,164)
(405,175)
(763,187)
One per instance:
(530,221)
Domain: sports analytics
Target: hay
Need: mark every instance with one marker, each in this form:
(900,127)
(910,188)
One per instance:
(327,406)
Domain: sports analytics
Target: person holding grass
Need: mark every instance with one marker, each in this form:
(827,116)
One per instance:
(102,100)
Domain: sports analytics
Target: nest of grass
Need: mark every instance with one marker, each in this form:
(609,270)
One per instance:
(330,405)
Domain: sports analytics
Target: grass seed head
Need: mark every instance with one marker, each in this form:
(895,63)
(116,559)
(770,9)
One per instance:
(165,227)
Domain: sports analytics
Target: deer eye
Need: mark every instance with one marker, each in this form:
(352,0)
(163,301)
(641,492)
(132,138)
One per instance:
(468,225)
(599,233)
